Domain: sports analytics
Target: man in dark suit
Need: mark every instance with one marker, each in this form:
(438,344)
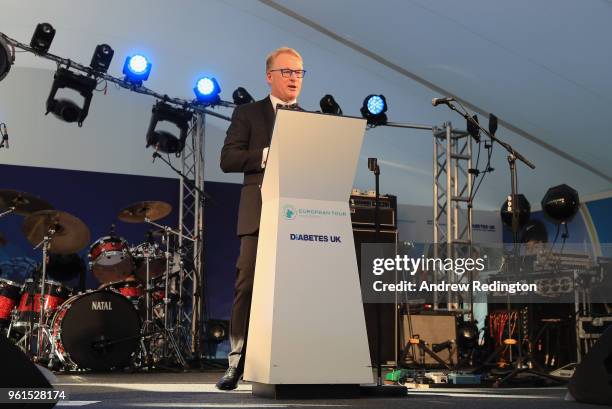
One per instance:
(245,150)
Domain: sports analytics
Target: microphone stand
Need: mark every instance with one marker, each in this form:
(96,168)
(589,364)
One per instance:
(373,166)
(507,146)
(513,156)
(203,194)
(380,389)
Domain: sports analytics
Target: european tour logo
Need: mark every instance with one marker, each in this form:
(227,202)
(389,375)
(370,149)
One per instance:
(290,212)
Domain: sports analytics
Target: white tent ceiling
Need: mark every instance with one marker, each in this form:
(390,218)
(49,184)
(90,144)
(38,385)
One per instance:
(541,67)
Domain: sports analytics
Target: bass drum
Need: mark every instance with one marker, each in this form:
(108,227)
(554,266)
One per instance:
(96,330)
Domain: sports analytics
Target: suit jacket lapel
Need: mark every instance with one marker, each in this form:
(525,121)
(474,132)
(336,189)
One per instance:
(269,117)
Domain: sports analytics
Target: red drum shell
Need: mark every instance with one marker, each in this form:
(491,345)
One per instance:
(29,305)
(9,296)
(110,259)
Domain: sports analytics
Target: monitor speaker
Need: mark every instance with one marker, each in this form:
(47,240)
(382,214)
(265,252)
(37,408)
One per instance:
(592,380)
(20,374)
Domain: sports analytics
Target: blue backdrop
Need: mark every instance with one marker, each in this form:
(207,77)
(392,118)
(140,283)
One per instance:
(96,198)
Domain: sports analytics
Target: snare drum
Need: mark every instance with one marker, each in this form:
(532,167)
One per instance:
(110,259)
(28,309)
(9,296)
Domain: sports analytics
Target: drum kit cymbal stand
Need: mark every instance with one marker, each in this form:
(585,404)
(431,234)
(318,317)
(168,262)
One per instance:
(51,231)
(43,330)
(25,204)
(155,331)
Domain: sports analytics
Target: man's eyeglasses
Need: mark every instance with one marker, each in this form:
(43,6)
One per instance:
(286,72)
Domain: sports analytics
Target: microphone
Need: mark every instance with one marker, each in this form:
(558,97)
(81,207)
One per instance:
(437,101)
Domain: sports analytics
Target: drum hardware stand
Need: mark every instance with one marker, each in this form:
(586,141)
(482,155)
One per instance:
(166,330)
(42,328)
(7,212)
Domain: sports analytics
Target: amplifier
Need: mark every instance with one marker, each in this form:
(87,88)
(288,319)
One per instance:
(433,329)
(362,207)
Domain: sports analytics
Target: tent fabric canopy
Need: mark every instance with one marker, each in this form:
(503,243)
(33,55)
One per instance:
(542,68)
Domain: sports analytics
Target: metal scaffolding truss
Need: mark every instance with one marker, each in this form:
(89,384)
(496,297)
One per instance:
(452,188)
(191,224)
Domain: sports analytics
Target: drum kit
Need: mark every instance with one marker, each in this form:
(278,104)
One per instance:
(131,320)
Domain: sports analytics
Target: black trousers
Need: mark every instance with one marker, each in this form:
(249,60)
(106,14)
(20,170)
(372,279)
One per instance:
(243,291)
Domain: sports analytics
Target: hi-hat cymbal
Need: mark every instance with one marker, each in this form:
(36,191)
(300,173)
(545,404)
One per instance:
(24,203)
(138,212)
(71,234)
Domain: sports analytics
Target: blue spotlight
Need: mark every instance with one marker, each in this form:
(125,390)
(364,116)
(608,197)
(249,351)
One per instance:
(136,69)
(207,90)
(374,108)
(376,104)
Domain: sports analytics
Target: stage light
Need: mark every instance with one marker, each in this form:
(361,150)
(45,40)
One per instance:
(467,336)
(7,58)
(492,124)
(102,57)
(373,109)
(561,203)
(42,37)
(468,331)
(329,105)
(241,96)
(473,128)
(164,141)
(66,109)
(207,90)
(217,330)
(524,211)
(136,69)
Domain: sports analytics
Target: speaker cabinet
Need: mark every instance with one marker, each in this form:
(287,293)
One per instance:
(20,373)
(388,328)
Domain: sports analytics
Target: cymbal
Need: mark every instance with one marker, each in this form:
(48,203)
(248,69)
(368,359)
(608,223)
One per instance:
(137,212)
(24,203)
(71,234)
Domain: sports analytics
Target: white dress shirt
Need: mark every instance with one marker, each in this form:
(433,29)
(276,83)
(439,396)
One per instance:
(275,101)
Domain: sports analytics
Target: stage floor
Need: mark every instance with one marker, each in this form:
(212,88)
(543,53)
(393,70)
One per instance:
(197,390)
